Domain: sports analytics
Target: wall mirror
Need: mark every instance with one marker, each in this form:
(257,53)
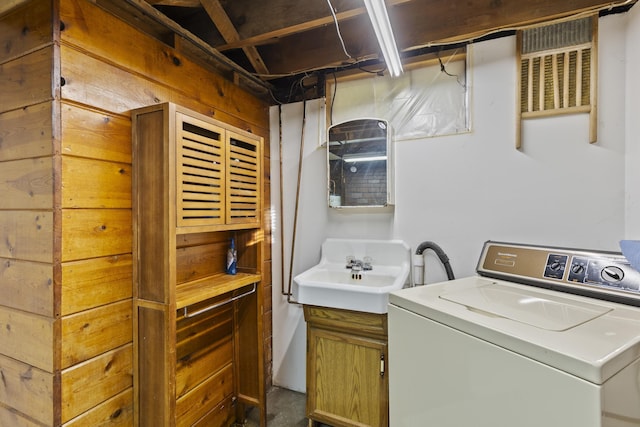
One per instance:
(360,164)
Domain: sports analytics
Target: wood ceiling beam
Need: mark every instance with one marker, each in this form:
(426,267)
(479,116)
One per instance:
(300,27)
(295,54)
(421,22)
(228,31)
(418,24)
(274,35)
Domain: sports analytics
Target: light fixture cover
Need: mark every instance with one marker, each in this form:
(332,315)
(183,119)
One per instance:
(382,27)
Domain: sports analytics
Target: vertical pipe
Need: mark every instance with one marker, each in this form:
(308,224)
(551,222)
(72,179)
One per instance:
(295,215)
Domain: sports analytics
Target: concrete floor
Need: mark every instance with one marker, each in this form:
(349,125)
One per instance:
(285,408)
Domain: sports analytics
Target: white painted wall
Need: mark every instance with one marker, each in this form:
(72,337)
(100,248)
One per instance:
(462,190)
(633,125)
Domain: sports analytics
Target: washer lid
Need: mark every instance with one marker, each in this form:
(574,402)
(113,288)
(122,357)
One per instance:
(550,312)
(586,337)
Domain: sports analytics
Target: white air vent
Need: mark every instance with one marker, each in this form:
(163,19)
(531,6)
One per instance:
(558,70)
(557,36)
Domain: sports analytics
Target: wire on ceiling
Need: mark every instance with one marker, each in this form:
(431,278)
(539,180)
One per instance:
(335,19)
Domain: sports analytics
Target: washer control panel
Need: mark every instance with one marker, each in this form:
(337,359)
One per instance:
(606,275)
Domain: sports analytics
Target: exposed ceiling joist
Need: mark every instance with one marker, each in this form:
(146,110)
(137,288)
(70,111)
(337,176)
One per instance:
(267,44)
(321,18)
(221,20)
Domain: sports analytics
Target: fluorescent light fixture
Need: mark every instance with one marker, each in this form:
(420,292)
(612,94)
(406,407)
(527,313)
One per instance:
(364,159)
(382,27)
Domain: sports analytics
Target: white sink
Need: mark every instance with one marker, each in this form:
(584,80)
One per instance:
(330,283)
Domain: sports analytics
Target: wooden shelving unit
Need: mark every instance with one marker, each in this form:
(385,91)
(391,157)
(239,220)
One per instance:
(198,335)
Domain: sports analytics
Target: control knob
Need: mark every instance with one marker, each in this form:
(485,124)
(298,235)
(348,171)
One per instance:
(577,269)
(612,274)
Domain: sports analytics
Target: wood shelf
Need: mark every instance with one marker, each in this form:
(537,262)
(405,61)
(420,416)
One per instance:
(193,292)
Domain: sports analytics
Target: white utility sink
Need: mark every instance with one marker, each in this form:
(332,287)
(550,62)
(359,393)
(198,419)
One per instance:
(332,284)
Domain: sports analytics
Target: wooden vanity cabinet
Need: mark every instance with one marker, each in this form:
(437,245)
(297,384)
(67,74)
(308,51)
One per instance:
(347,377)
(198,334)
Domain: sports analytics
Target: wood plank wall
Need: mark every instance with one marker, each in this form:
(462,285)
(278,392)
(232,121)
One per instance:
(28,326)
(65,210)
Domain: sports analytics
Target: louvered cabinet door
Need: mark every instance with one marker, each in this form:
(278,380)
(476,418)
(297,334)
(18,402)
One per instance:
(243,178)
(200,172)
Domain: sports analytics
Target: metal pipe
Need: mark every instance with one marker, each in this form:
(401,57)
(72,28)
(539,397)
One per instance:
(295,214)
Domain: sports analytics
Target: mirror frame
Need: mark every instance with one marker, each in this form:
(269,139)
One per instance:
(367,135)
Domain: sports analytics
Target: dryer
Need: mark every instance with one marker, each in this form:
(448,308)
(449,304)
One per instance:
(541,336)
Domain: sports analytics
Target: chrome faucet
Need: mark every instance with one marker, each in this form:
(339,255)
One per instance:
(357,266)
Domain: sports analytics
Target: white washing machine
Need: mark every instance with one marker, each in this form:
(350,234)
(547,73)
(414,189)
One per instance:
(542,337)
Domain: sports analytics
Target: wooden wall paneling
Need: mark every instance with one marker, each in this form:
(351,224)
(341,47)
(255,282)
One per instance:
(114,412)
(89,384)
(94,282)
(26,133)
(194,262)
(113,88)
(26,235)
(96,331)
(27,389)
(88,183)
(27,286)
(9,5)
(95,134)
(100,82)
(145,56)
(25,29)
(26,80)
(28,338)
(12,418)
(27,184)
(28,335)
(93,233)
(107,86)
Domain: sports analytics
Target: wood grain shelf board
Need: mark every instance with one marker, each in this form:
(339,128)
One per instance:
(196,291)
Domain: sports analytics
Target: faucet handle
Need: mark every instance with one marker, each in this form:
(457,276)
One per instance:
(366,263)
(350,259)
